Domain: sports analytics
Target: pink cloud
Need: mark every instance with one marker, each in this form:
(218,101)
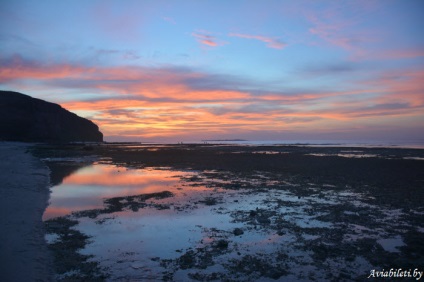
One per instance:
(402,87)
(270,42)
(333,32)
(207,39)
(151,102)
(340,26)
(18,68)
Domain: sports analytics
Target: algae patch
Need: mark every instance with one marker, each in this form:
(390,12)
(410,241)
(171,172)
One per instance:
(70,265)
(133,203)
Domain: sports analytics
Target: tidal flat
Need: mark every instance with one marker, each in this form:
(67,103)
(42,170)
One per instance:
(204,212)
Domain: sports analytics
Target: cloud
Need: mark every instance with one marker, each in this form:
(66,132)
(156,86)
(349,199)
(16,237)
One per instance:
(171,101)
(332,33)
(174,83)
(274,43)
(205,38)
(401,86)
(16,67)
(340,25)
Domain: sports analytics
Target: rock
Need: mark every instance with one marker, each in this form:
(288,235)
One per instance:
(263,220)
(238,232)
(252,213)
(222,244)
(27,119)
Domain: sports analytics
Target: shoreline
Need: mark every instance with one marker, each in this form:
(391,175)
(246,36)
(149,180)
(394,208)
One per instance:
(318,144)
(24,196)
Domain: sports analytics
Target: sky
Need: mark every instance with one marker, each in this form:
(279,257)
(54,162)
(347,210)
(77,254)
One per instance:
(187,70)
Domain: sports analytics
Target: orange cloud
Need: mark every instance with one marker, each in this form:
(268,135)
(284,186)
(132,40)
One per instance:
(219,112)
(402,87)
(148,103)
(149,120)
(18,68)
(207,39)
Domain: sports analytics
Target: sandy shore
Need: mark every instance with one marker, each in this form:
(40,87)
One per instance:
(24,194)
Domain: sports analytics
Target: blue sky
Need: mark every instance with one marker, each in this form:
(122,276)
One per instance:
(192,70)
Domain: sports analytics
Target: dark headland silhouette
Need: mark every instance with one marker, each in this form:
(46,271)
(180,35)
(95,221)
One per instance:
(27,119)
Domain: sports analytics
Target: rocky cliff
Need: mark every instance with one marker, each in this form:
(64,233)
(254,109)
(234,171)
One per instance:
(23,118)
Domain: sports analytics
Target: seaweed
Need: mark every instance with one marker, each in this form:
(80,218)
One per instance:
(133,203)
(70,264)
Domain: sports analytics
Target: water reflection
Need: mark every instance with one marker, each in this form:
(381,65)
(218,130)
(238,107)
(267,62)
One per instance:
(129,243)
(87,187)
(61,170)
(173,237)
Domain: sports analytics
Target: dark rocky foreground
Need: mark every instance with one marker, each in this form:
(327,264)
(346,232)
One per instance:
(296,213)
(26,119)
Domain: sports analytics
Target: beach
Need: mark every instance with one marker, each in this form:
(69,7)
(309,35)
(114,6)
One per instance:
(208,212)
(24,196)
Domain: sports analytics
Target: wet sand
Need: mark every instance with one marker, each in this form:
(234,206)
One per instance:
(24,195)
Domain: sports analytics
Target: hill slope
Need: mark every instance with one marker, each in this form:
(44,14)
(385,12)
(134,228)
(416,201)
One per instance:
(27,119)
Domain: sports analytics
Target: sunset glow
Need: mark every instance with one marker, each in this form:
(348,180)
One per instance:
(170,71)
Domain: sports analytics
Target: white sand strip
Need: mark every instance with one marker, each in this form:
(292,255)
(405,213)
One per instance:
(24,194)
